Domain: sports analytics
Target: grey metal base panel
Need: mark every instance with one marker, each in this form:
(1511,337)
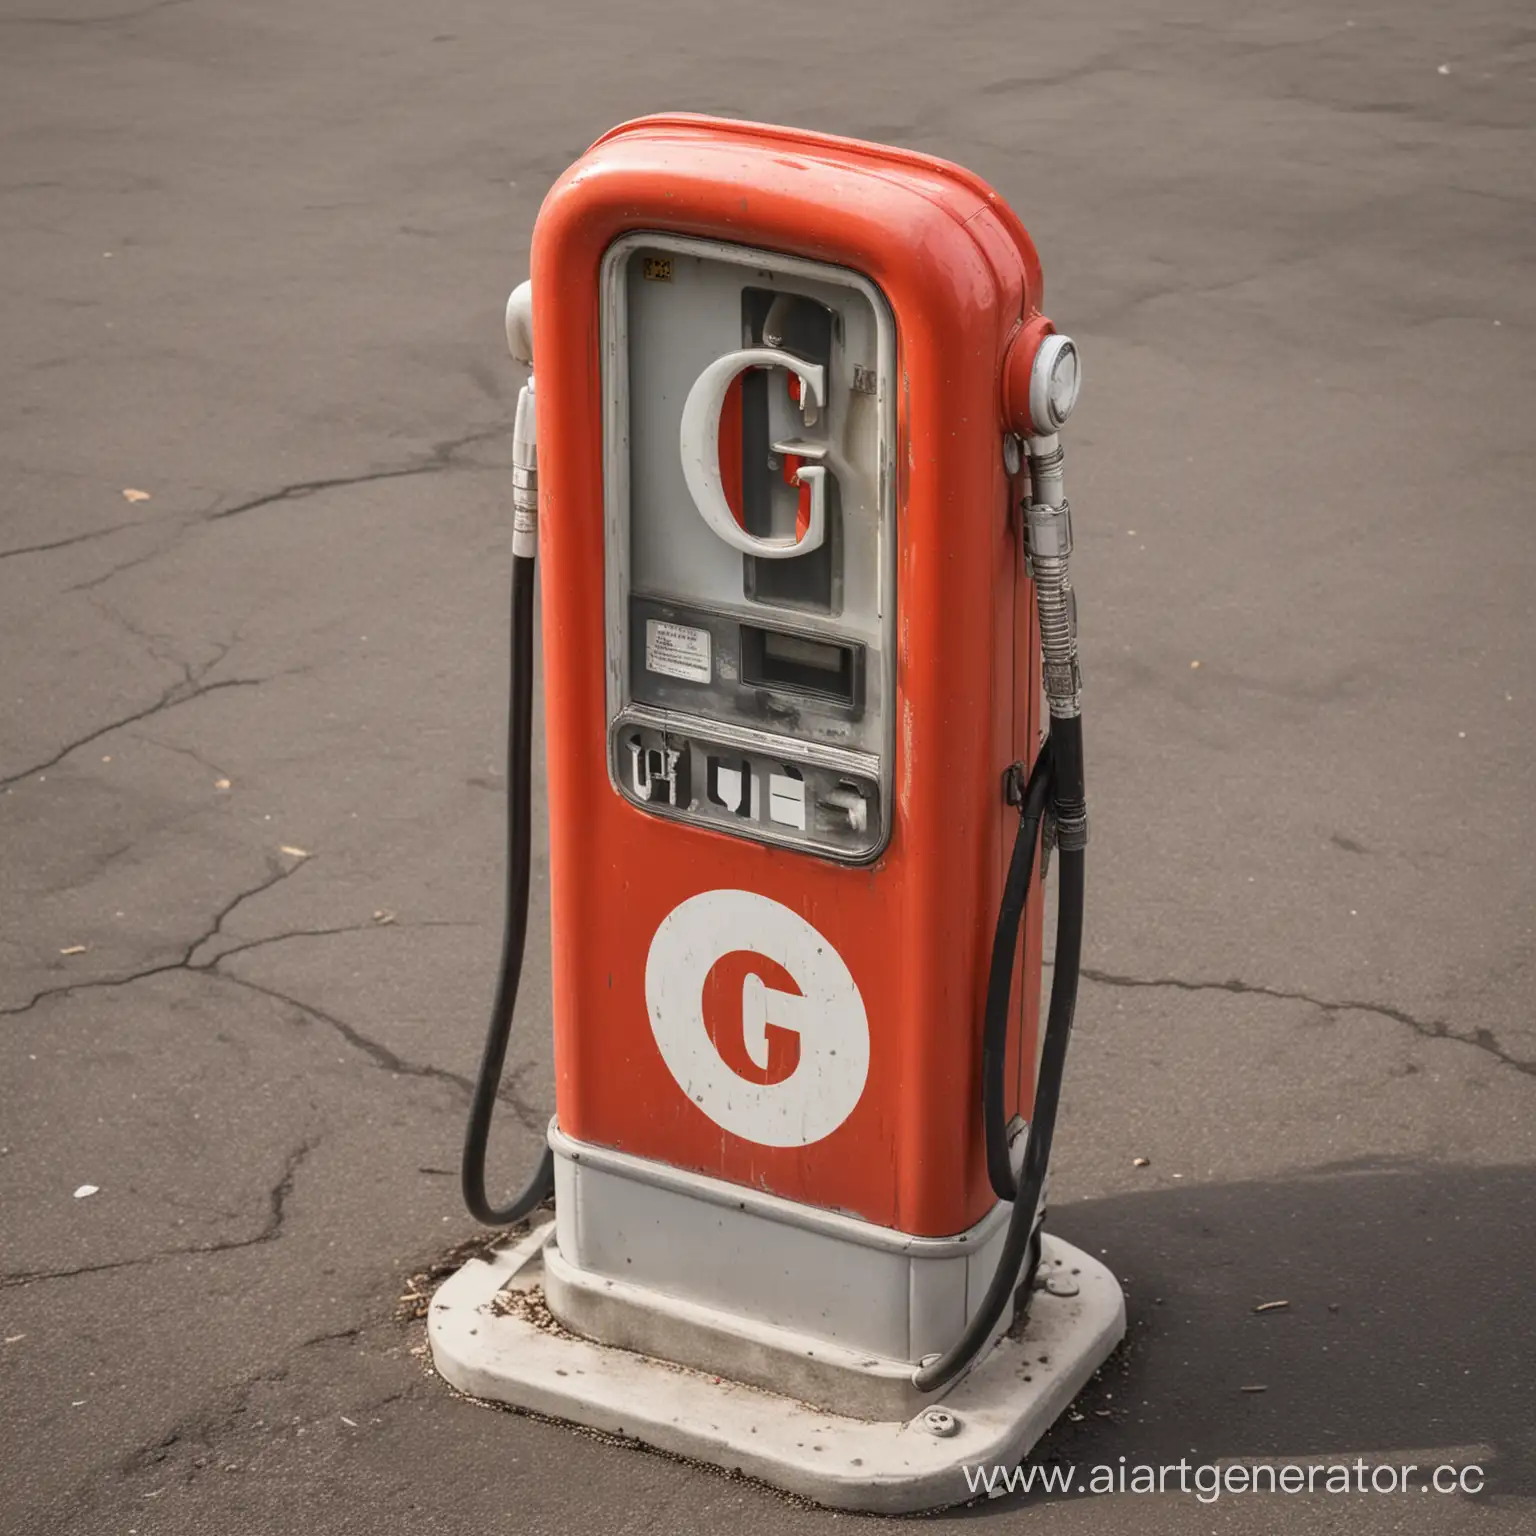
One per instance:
(492,1336)
(777,1358)
(755,1256)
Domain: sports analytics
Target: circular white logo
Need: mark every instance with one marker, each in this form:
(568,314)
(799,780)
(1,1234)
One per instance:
(757,1017)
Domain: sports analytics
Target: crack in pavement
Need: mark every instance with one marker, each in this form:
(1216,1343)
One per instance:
(79,538)
(271,1229)
(441,456)
(379,1054)
(192,752)
(386,1060)
(122,566)
(189,687)
(318,933)
(218,1421)
(1429,1029)
(277,874)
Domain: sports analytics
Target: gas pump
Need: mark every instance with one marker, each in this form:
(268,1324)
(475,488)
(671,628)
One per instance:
(792,470)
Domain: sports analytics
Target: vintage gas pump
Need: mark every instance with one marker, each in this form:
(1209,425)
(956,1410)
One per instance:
(796,488)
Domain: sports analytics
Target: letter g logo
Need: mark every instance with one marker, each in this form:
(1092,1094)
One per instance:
(819,1082)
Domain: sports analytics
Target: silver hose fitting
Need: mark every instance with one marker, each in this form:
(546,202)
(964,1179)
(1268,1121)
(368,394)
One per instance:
(525,477)
(1048,535)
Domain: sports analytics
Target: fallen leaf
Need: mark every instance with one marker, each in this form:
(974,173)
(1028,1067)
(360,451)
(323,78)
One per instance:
(86,1190)
(296,853)
(74,949)
(221,783)
(1271,1306)
(131,495)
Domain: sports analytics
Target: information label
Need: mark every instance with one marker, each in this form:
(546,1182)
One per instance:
(677,650)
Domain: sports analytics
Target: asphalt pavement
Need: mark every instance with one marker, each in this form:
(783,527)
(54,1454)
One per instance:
(255,420)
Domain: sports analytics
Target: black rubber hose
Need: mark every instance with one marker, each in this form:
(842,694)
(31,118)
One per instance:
(1005,941)
(1067,781)
(482,1103)
(1053,1059)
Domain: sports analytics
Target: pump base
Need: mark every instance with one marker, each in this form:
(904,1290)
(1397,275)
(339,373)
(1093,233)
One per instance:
(493,1337)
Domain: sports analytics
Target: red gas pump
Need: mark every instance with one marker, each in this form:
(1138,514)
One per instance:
(797,489)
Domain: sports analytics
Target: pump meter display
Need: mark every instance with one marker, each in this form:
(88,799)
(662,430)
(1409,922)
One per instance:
(750,542)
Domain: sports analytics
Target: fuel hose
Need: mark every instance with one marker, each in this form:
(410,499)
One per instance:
(1057,777)
(487,1084)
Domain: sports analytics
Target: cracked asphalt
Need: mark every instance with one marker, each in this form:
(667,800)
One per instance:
(251,724)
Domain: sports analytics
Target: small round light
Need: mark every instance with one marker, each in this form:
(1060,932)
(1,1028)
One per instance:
(1054,381)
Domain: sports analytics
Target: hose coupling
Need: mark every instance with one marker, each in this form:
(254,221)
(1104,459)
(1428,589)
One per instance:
(1048,531)
(1046,461)
(525,477)
(1048,528)
(1070,825)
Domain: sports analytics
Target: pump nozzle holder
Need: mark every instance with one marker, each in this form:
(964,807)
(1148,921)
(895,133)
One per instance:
(520,323)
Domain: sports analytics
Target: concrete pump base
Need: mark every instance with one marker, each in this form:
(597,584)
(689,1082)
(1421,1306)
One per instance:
(492,1336)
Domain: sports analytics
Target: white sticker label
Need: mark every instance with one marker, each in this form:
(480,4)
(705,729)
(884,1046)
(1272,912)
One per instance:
(675,650)
(824,1015)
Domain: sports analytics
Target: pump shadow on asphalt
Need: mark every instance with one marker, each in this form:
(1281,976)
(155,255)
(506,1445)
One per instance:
(1407,1330)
